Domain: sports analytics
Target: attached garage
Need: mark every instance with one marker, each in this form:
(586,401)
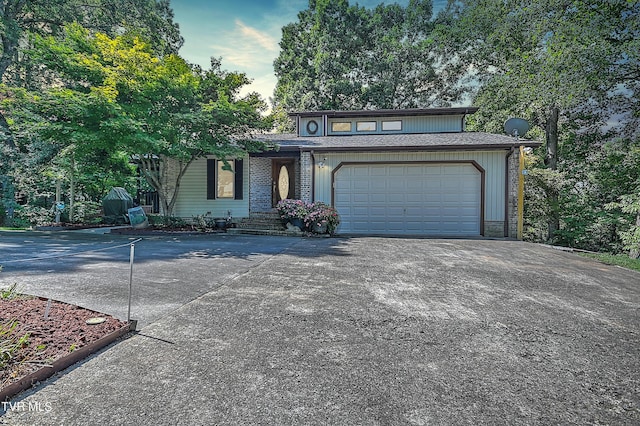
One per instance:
(412,198)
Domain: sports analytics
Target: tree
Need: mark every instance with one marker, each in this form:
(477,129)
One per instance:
(122,98)
(22,20)
(338,56)
(552,62)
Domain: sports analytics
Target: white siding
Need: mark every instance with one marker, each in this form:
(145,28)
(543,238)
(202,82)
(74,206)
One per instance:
(192,197)
(428,124)
(420,198)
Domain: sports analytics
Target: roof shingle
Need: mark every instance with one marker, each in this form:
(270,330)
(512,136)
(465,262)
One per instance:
(400,141)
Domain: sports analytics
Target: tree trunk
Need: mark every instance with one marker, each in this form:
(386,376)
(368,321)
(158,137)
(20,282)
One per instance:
(72,187)
(551,160)
(167,194)
(634,253)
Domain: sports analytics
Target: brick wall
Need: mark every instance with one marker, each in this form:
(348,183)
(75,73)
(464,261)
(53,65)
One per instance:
(306,169)
(512,197)
(259,184)
(494,228)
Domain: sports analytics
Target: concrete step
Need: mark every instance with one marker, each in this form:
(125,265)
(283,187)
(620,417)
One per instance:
(253,231)
(260,225)
(262,220)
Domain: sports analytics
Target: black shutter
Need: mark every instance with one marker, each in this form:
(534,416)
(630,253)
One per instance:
(238,184)
(211,179)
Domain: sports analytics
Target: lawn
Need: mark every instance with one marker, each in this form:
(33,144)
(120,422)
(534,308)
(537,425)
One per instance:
(618,260)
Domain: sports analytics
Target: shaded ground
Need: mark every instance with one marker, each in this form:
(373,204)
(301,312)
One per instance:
(374,331)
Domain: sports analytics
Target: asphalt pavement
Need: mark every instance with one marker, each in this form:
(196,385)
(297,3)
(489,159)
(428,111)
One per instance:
(371,331)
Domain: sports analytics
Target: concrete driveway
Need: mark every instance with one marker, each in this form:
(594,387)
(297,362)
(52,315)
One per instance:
(356,331)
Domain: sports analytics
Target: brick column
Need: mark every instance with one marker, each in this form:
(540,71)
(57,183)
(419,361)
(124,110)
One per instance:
(513,168)
(306,172)
(259,184)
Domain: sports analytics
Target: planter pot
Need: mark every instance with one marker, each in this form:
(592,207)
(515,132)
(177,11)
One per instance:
(221,223)
(297,222)
(319,229)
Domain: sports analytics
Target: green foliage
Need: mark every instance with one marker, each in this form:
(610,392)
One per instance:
(9,293)
(10,344)
(573,72)
(162,221)
(121,101)
(28,216)
(618,260)
(87,212)
(23,19)
(586,194)
(203,222)
(630,229)
(3,214)
(339,56)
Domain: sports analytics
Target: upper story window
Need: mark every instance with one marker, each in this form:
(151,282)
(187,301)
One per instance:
(341,126)
(366,126)
(392,125)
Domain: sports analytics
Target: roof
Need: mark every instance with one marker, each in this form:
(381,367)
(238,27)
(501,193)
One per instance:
(397,142)
(387,112)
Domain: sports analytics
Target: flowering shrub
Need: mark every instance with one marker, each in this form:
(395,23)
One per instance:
(322,214)
(292,209)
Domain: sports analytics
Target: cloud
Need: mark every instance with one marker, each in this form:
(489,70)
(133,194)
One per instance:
(263,39)
(247,47)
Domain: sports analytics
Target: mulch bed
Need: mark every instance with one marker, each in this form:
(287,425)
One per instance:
(50,338)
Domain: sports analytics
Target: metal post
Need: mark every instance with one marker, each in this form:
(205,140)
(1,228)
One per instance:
(131,255)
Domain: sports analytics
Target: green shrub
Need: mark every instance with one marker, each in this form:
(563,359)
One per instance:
(160,221)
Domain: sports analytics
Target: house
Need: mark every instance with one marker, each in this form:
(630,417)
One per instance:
(400,172)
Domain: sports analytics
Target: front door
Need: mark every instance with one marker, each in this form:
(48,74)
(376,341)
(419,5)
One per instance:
(283,180)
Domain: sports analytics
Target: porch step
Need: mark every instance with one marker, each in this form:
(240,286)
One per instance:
(274,232)
(262,221)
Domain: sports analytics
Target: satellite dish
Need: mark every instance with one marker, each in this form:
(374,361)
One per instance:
(516,127)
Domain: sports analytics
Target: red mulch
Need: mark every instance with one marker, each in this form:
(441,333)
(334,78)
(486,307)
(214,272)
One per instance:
(50,338)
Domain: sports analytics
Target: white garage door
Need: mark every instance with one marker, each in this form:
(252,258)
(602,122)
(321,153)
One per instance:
(421,199)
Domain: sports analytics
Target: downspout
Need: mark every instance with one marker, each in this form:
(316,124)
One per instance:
(313,176)
(466,111)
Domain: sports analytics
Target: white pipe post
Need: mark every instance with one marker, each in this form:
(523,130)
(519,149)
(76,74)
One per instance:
(131,255)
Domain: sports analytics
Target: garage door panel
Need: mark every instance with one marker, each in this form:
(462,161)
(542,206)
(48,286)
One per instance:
(428,199)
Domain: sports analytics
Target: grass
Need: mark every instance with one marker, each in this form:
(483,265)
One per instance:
(613,259)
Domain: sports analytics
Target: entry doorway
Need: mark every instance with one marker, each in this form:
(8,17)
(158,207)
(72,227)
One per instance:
(283,179)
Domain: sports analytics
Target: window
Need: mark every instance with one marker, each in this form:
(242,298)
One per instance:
(341,126)
(366,126)
(226,178)
(392,125)
(222,182)
(312,127)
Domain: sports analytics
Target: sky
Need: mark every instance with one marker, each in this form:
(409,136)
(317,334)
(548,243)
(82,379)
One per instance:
(244,33)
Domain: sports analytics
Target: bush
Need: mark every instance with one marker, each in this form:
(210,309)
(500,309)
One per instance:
(87,212)
(161,221)
(27,216)
(293,209)
(321,214)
